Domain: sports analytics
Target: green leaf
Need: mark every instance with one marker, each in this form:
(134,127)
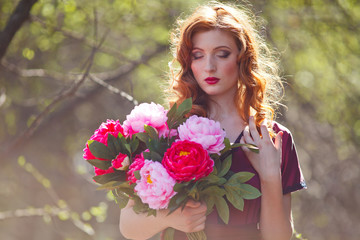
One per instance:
(102,164)
(128,148)
(180,199)
(139,206)
(184,107)
(210,202)
(170,115)
(153,134)
(211,178)
(122,200)
(151,212)
(241,177)
(234,198)
(175,202)
(155,156)
(163,146)
(217,165)
(193,192)
(227,143)
(137,174)
(126,188)
(112,144)
(153,145)
(213,191)
(214,157)
(115,176)
(225,166)
(100,150)
(134,144)
(178,187)
(123,142)
(221,181)
(144,137)
(179,120)
(251,147)
(222,209)
(249,192)
(111,185)
(147,155)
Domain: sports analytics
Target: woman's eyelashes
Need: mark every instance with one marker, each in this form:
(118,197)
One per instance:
(220,54)
(223,54)
(197,55)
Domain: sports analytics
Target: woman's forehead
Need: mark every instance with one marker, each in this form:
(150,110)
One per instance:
(213,39)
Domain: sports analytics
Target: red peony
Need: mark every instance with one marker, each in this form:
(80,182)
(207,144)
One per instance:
(187,160)
(101,135)
(137,164)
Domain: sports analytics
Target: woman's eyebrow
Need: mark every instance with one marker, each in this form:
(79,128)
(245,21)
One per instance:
(223,46)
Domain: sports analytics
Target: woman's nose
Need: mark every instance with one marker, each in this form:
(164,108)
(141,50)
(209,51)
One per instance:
(210,65)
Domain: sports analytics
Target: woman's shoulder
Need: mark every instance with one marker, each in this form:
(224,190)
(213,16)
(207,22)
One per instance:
(277,127)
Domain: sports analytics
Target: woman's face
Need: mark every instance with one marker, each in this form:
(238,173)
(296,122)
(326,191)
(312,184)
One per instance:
(214,62)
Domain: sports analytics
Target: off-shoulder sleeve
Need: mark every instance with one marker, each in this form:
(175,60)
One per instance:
(292,177)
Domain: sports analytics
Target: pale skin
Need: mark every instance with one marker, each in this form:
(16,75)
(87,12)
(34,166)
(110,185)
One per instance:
(140,226)
(214,55)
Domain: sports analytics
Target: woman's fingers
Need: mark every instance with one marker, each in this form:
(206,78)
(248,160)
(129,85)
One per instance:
(196,207)
(278,140)
(193,204)
(199,224)
(193,217)
(247,137)
(265,133)
(253,130)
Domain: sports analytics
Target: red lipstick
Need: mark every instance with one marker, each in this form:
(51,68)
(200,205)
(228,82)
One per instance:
(212,80)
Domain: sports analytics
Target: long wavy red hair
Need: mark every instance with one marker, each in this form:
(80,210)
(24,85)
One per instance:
(259,84)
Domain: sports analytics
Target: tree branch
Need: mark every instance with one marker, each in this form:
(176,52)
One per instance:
(17,18)
(106,78)
(80,38)
(62,96)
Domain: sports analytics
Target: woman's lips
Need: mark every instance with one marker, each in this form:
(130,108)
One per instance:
(211,80)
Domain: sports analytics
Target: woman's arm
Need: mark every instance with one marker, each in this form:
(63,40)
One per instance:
(140,226)
(275,217)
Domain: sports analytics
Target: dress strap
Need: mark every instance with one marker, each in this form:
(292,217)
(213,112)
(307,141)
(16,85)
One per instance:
(239,137)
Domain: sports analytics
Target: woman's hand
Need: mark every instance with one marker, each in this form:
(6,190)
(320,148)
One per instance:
(190,219)
(268,161)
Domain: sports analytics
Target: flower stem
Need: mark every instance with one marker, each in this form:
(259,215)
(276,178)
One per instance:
(196,235)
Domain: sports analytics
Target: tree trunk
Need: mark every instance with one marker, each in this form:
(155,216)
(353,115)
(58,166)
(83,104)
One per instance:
(17,18)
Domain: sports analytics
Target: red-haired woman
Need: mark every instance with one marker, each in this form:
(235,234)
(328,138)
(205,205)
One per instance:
(228,71)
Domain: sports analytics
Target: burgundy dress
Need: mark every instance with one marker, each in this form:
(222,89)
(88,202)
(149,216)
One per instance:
(244,224)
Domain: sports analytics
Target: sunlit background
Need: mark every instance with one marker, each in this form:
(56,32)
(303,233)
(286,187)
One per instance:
(51,101)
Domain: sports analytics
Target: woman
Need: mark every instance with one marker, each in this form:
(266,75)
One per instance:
(226,69)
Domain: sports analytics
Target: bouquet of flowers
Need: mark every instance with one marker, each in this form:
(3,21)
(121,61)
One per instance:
(160,159)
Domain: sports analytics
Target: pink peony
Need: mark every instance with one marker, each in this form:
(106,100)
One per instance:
(186,160)
(155,186)
(137,164)
(146,113)
(101,135)
(204,131)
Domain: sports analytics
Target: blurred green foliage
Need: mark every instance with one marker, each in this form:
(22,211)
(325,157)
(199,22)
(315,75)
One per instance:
(319,46)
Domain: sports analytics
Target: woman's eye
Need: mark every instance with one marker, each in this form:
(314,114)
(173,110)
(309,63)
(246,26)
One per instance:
(196,56)
(223,54)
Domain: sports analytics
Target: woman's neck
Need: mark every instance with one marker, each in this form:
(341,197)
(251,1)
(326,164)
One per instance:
(220,108)
(224,110)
